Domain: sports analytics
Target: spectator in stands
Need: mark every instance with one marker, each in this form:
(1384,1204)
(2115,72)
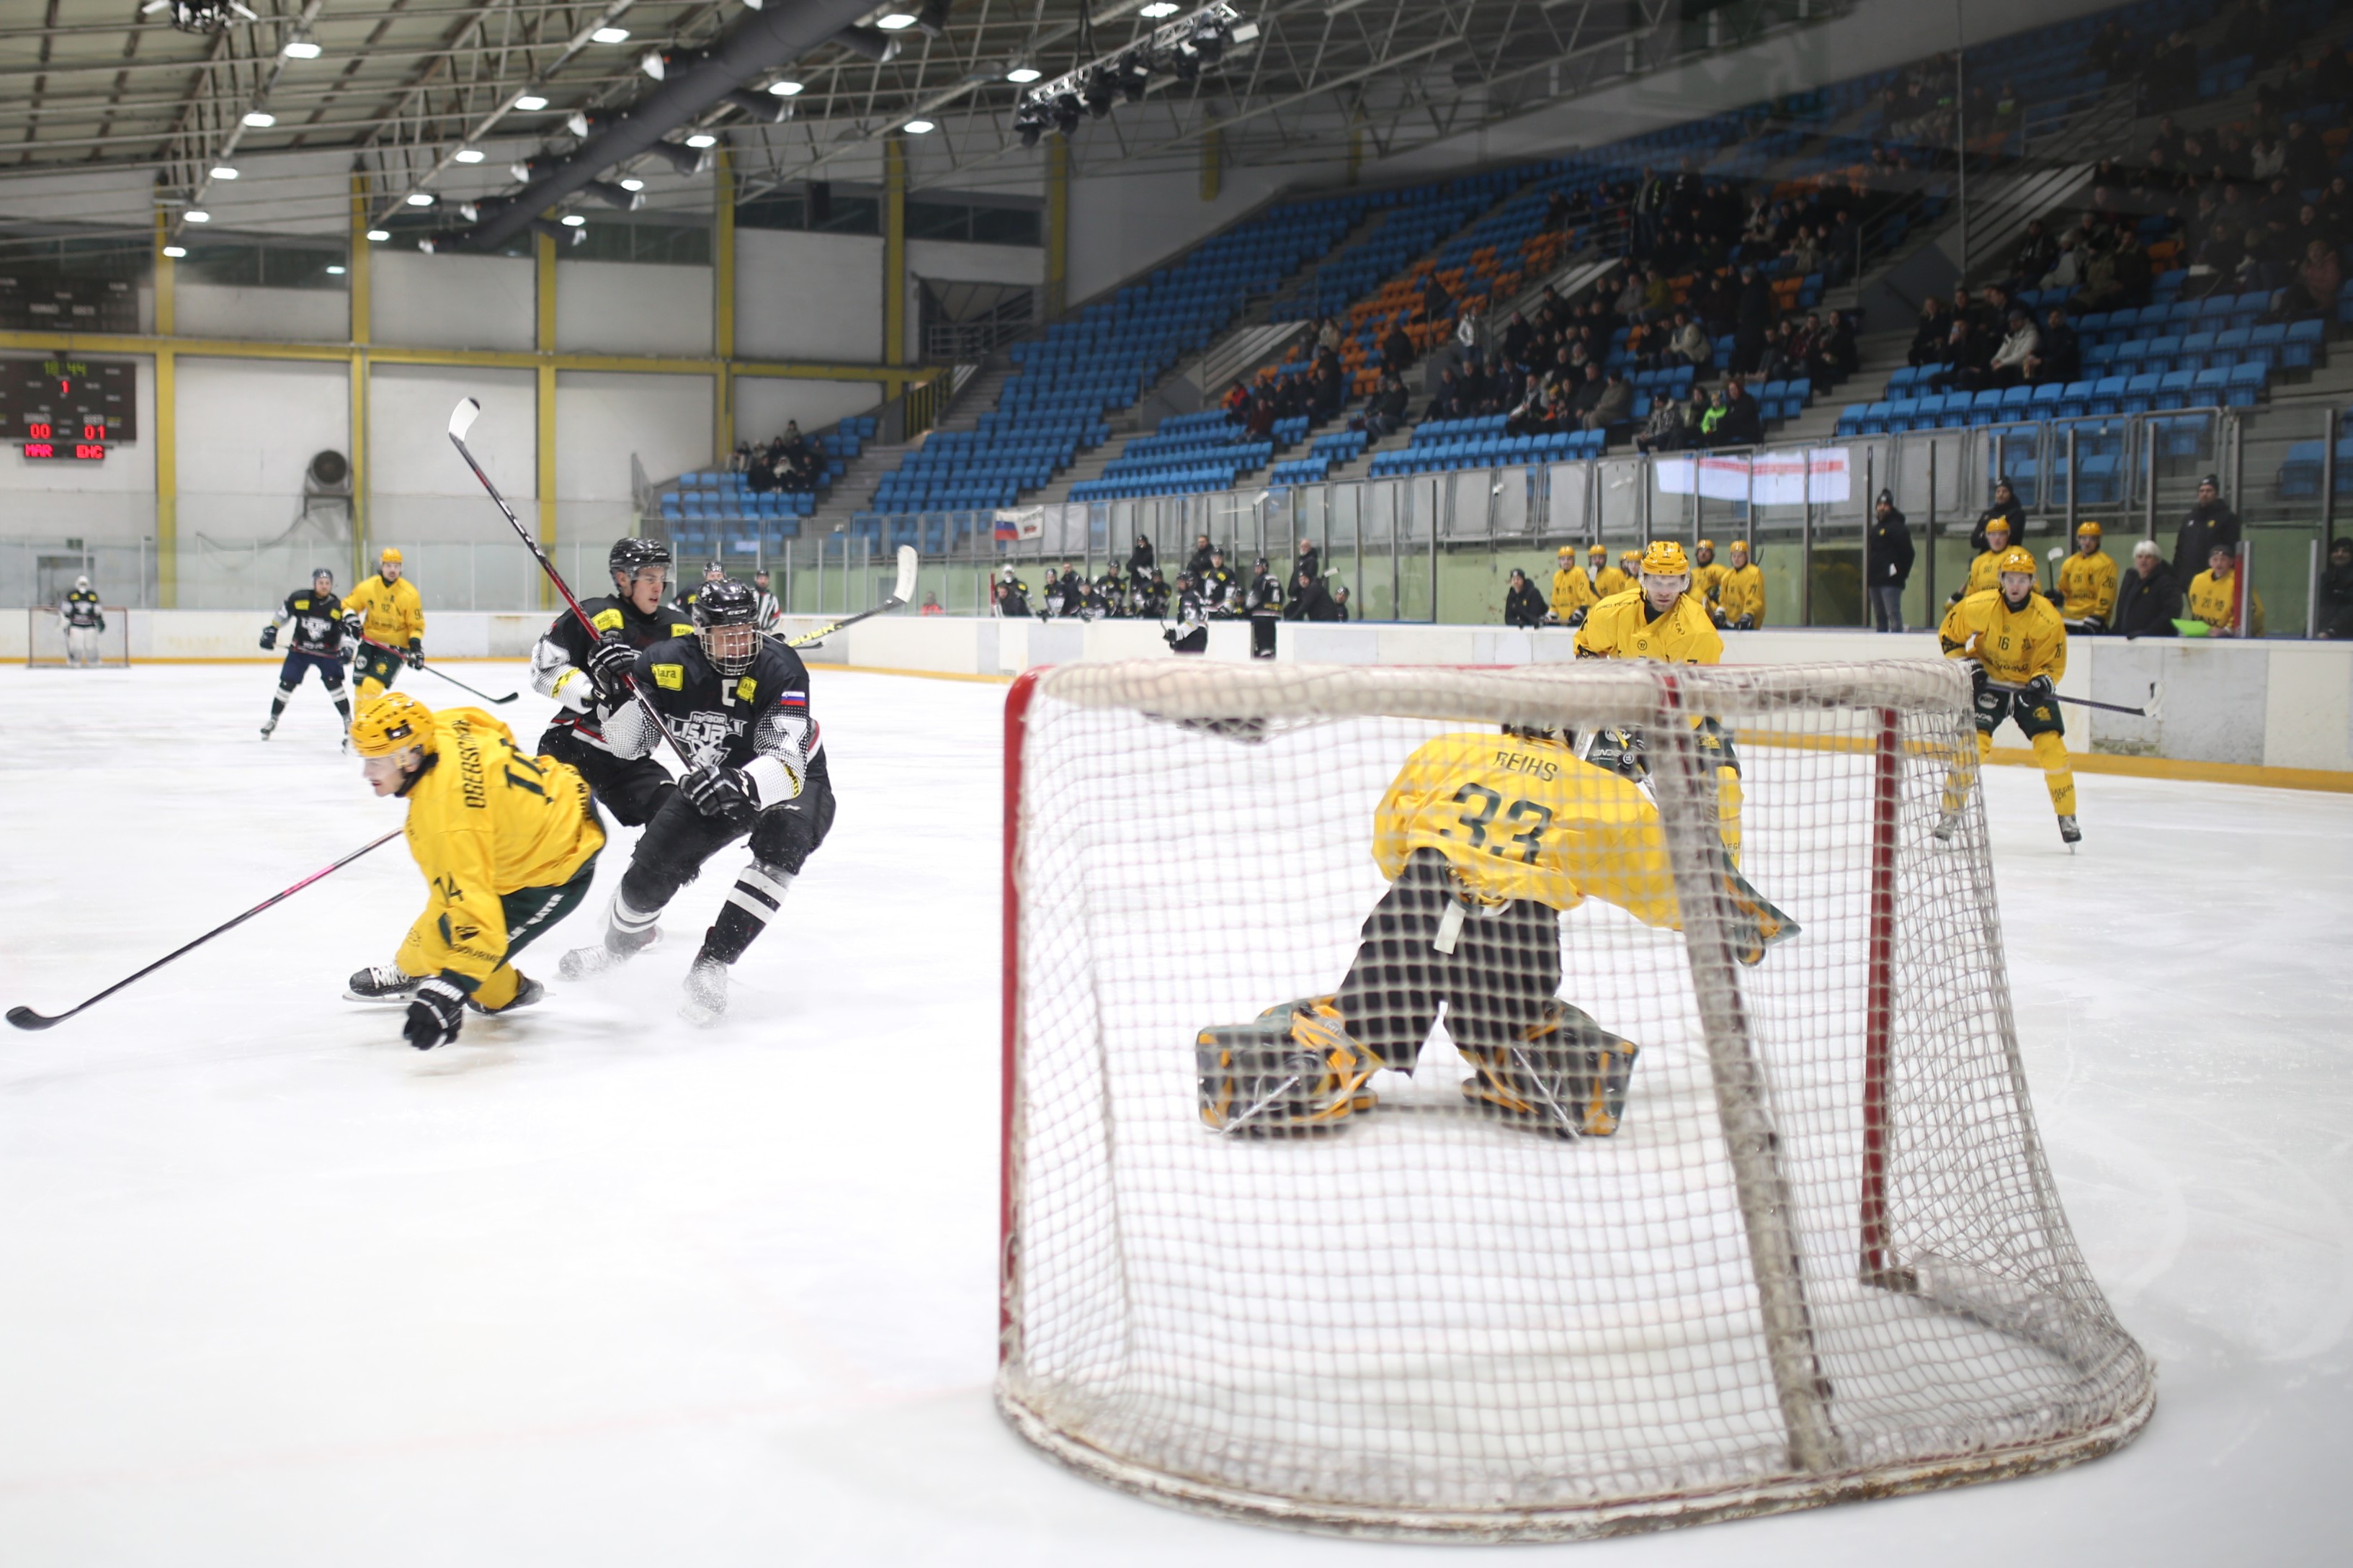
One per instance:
(1523,606)
(2303,158)
(1615,405)
(1888,560)
(1584,398)
(1687,345)
(1447,403)
(1663,431)
(1330,337)
(1755,315)
(1744,422)
(2214,596)
(2037,254)
(2148,601)
(1833,357)
(2312,293)
(2060,357)
(2210,523)
(1928,339)
(2019,344)
(1397,349)
(1436,302)
(1386,412)
(2337,590)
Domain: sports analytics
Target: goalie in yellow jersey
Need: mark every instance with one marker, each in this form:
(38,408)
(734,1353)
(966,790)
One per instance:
(507,842)
(2019,647)
(1487,840)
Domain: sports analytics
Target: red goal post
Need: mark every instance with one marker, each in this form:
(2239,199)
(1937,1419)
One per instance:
(44,638)
(1821,1258)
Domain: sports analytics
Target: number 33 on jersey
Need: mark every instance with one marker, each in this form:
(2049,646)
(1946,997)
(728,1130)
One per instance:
(1518,818)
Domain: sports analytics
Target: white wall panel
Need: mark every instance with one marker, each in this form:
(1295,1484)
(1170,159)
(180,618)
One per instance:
(1127,223)
(632,307)
(967,263)
(247,428)
(808,296)
(453,301)
(418,487)
(601,420)
(270,315)
(764,402)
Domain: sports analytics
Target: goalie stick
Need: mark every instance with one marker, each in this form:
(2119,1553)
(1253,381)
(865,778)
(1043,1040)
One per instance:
(25,1018)
(900,592)
(430,669)
(461,419)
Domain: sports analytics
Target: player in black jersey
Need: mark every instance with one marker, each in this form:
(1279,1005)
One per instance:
(587,678)
(739,705)
(317,644)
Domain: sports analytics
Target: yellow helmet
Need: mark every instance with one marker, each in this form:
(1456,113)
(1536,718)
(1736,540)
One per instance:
(391,722)
(1665,558)
(1708,545)
(1597,552)
(1741,545)
(390,557)
(1998,523)
(1568,552)
(2087,529)
(2016,558)
(1628,557)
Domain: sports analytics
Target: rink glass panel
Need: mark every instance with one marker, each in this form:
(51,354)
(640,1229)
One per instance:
(1431,1319)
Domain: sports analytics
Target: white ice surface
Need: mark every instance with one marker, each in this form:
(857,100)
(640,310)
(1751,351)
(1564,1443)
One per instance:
(591,1287)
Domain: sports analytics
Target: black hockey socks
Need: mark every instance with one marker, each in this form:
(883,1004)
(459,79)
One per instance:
(278,703)
(752,902)
(627,929)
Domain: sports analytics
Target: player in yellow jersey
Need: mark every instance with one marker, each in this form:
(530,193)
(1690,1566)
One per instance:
(1707,580)
(1607,579)
(1487,840)
(2214,596)
(1663,620)
(2016,638)
(387,620)
(1741,595)
(2087,593)
(1572,590)
(1985,570)
(507,842)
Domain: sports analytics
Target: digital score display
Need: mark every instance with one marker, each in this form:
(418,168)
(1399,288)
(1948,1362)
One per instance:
(67,409)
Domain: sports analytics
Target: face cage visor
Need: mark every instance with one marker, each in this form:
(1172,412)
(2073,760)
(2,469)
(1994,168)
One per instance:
(731,649)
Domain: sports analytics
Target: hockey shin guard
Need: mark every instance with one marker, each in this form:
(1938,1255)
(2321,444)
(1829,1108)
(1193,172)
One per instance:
(2057,773)
(752,902)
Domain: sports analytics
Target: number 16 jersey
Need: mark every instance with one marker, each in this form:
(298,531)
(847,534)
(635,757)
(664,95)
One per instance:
(1517,818)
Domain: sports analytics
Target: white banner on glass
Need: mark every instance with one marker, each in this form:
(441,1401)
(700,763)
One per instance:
(1769,478)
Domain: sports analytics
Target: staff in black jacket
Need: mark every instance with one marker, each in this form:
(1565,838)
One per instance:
(2210,523)
(1888,564)
(2148,601)
(1523,606)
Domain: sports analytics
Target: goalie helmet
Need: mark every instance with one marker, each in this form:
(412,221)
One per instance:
(628,556)
(726,620)
(390,721)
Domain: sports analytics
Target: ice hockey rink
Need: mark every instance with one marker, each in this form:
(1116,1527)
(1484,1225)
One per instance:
(591,1286)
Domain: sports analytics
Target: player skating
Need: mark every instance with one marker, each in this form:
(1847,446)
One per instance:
(2014,637)
(739,705)
(588,679)
(506,841)
(82,620)
(387,620)
(317,616)
(1486,841)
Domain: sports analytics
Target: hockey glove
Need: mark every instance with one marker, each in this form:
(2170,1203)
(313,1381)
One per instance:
(353,628)
(1746,624)
(434,1014)
(1977,678)
(269,636)
(610,662)
(723,794)
(2040,688)
(415,656)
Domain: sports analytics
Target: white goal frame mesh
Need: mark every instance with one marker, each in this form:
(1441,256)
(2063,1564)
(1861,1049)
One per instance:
(1820,1257)
(44,638)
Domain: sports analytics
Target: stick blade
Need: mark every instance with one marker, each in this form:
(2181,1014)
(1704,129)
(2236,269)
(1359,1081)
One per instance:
(25,1018)
(463,417)
(905,591)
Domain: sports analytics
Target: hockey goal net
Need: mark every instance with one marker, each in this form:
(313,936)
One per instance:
(1753,1216)
(46,640)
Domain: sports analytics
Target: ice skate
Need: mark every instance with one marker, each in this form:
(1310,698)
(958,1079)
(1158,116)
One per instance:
(2069,834)
(268,725)
(381,982)
(627,934)
(706,992)
(1947,826)
(527,991)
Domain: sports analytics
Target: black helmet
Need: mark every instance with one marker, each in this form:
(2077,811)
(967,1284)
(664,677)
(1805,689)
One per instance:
(627,555)
(726,619)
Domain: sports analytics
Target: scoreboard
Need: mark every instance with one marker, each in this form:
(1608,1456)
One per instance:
(65,408)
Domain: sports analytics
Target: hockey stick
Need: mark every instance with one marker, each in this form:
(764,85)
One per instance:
(2085,701)
(461,419)
(429,670)
(25,1018)
(900,592)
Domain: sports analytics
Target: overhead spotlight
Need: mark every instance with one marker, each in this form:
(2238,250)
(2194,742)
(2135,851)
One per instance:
(197,214)
(224,172)
(420,198)
(1242,33)
(1159,9)
(650,62)
(379,234)
(702,139)
(260,118)
(609,35)
(529,102)
(785,88)
(1067,111)
(175,251)
(763,109)
(573,220)
(630,182)
(334,272)
(919,128)
(1097,91)
(1029,122)
(1024,74)
(470,212)
(200,15)
(578,123)
(1208,37)
(468,155)
(301,46)
(613,195)
(896,21)
(1133,73)
(683,159)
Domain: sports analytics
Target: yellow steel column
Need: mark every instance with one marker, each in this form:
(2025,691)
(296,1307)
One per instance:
(167,443)
(723,302)
(1058,225)
(1213,165)
(895,250)
(356,274)
(544,249)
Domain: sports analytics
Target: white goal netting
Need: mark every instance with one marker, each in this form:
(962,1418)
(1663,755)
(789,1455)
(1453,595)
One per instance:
(1754,1215)
(47,641)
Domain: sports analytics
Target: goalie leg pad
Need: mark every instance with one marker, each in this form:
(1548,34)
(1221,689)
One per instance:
(1755,925)
(1293,1070)
(1566,1073)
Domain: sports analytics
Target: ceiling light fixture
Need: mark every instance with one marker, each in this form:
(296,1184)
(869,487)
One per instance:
(1024,74)
(260,118)
(650,62)
(224,172)
(919,128)
(702,139)
(630,183)
(175,251)
(420,198)
(531,102)
(379,234)
(197,214)
(1159,9)
(573,220)
(299,48)
(609,35)
(895,21)
(468,155)
(785,88)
